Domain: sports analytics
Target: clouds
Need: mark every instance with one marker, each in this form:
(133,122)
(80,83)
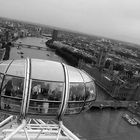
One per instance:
(119,19)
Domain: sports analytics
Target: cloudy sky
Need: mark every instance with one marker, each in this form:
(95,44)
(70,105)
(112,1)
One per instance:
(119,19)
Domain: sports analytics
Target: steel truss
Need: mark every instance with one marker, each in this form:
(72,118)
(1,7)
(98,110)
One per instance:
(34,129)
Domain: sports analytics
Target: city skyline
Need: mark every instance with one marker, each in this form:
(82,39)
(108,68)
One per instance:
(113,19)
(48,72)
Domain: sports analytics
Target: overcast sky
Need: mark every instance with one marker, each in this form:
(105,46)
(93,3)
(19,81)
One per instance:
(119,19)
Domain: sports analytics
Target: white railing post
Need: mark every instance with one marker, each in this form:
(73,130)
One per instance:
(6,120)
(16,130)
(67,132)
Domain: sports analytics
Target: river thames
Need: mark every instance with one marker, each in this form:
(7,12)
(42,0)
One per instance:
(105,124)
(95,124)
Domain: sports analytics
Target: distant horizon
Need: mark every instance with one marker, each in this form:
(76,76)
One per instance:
(73,31)
(115,19)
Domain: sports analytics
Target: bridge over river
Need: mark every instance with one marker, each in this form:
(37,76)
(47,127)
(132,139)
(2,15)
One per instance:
(19,45)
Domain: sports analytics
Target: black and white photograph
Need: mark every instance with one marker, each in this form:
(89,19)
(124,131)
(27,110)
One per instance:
(69,69)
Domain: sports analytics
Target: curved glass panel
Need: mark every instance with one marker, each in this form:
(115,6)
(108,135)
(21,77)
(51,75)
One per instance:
(4,65)
(77,92)
(17,68)
(1,77)
(47,70)
(90,95)
(74,74)
(90,91)
(85,76)
(45,97)
(76,98)
(11,94)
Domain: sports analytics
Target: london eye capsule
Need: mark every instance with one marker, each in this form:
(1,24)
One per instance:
(38,88)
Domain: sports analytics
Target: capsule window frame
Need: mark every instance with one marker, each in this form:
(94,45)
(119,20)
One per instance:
(1,82)
(11,97)
(43,101)
(68,109)
(1,87)
(70,87)
(94,89)
(86,103)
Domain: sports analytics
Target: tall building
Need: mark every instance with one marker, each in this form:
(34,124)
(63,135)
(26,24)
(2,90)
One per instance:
(7,35)
(103,53)
(54,35)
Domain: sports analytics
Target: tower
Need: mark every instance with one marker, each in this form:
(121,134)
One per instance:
(54,35)
(102,56)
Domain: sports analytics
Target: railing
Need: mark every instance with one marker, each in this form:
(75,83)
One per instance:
(9,103)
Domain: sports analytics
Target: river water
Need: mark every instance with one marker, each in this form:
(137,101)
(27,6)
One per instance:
(106,124)
(94,124)
(34,53)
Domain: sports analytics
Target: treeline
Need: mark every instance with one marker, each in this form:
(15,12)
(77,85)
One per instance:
(126,55)
(71,57)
